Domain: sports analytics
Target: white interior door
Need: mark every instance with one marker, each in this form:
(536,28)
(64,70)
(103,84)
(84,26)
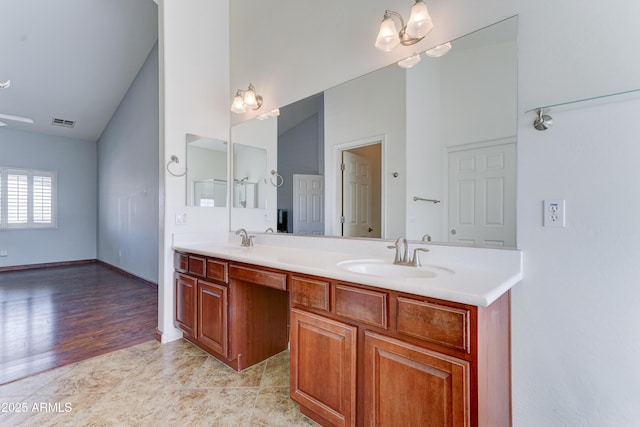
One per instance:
(308,204)
(356,195)
(482,196)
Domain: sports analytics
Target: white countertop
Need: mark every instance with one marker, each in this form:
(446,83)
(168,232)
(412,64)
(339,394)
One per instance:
(479,283)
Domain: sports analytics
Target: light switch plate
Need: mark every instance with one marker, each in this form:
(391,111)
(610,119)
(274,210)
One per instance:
(181,218)
(554,213)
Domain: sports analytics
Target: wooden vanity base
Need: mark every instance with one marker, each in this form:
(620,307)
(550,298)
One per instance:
(360,355)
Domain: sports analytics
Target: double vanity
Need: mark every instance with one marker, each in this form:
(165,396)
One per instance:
(372,342)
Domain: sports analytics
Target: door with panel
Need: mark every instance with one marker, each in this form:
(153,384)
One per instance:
(482,195)
(429,389)
(357,209)
(185,316)
(323,368)
(308,200)
(212,317)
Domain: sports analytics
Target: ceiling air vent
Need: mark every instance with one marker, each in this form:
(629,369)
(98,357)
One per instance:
(64,123)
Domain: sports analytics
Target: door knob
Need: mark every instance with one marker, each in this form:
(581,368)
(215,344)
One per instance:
(370,229)
(453,231)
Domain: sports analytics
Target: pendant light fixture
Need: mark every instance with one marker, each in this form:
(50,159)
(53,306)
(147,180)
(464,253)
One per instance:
(418,26)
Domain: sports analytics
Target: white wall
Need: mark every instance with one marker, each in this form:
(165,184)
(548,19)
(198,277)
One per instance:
(128,178)
(75,162)
(194,99)
(479,94)
(575,340)
(575,323)
(425,152)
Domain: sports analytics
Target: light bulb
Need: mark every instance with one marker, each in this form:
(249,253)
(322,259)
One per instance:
(388,37)
(250,98)
(419,24)
(238,104)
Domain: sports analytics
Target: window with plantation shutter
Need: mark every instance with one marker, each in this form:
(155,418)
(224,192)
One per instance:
(27,198)
(42,193)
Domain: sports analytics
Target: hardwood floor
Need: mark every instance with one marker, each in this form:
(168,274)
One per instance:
(52,317)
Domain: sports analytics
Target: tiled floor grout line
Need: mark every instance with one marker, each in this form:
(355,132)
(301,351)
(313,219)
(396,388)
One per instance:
(255,402)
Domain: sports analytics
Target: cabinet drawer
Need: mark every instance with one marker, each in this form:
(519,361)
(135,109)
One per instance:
(312,293)
(217,270)
(198,265)
(447,326)
(181,262)
(362,305)
(271,279)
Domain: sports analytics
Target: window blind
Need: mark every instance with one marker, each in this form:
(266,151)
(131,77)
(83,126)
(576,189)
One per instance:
(27,198)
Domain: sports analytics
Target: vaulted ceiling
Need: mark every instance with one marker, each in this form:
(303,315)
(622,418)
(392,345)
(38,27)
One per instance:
(72,60)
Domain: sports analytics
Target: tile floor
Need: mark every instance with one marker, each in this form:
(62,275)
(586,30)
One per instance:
(174,384)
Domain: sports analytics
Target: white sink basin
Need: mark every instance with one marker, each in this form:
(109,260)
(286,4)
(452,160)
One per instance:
(385,269)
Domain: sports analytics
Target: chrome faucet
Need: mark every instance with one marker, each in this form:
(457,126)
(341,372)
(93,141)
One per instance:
(402,253)
(401,246)
(246,239)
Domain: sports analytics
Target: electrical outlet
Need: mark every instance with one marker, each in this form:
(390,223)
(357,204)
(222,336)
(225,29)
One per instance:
(181,218)
(554,213)
(4,252)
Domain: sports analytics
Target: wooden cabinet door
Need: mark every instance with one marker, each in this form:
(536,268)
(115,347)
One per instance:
(212,316)
(323,367)
(406,385)
(186,303)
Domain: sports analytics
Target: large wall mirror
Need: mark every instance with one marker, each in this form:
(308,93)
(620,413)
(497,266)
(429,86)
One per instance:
(253,155)
(427,152)
(206,171)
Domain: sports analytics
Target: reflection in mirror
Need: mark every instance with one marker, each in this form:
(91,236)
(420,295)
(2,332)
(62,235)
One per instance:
(206,172)
(445,131)
(249,173)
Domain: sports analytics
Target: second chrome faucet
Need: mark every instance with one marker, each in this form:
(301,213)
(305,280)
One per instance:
(246,239)
(402,253)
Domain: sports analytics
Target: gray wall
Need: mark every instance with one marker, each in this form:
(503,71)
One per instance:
(75,162)
(128,178)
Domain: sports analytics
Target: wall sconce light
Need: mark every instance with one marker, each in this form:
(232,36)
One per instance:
(246,99)
(418,26)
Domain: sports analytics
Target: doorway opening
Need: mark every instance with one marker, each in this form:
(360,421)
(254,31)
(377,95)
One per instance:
(361,190)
